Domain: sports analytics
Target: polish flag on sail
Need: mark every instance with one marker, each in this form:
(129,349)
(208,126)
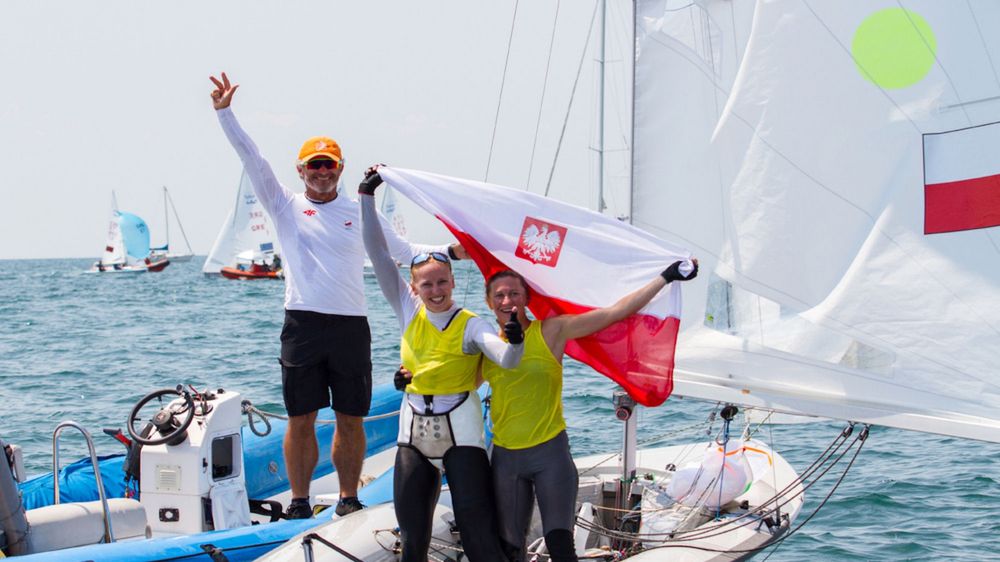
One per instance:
(962,179)
(575,260)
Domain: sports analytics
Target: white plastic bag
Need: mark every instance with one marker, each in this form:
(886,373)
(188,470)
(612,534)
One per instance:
(721,476)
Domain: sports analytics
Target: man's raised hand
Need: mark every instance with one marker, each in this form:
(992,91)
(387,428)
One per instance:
(222,95)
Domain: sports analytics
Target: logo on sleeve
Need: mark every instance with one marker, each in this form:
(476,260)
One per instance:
(309,212)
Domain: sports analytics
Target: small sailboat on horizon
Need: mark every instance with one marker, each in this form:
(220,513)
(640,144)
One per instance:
(247,244)
(126,248)
(164,250)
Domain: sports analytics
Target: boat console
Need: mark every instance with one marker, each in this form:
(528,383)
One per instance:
(191,468)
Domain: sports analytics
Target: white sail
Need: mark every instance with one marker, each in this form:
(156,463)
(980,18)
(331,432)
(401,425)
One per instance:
(770,141)
(114,246)
(390,209)
(247,231)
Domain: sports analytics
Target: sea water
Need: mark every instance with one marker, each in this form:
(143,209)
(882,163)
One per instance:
(85,347)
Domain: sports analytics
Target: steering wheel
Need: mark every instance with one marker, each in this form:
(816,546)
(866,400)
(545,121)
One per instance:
(172,430)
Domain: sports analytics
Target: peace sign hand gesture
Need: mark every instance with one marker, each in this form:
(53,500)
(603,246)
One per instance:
(222,95)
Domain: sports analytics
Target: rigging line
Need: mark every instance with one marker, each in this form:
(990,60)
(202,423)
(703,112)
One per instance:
(541,102)
(750,432)
(982,40)
(569,105)
(663,436)
(774,473)
(684,7)
(826,499)
(247,406)
(821,460)
(944,70)
(330,545)
(989,237)
(466,290)
(503,80)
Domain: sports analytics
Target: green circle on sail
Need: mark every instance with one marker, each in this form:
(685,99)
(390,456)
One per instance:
(894,48)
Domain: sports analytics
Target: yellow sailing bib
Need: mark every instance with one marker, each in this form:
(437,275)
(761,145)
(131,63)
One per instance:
(435,357)
(526,407)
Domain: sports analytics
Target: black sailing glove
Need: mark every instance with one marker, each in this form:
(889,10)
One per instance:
(512,329)
(371,181)
(673,273)
(400,380)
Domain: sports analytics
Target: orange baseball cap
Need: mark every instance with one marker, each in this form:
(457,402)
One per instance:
(320,146)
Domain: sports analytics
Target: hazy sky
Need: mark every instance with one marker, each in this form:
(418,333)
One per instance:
(114,95)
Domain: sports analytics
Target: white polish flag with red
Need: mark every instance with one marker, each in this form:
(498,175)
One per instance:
(574,260)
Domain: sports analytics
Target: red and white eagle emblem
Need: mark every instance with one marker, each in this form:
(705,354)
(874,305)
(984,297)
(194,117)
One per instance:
(540,242)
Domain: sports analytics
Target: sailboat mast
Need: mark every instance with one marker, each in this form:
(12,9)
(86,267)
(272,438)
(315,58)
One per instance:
(167,197)
(166,218)
(631,137)
(600,109)
(236,204)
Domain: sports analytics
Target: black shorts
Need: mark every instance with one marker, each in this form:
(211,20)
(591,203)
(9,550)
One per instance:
(324,355)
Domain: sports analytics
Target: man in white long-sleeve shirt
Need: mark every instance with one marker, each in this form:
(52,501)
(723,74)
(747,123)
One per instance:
(325,340)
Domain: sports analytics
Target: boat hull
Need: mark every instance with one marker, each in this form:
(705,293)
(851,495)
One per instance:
(234,273)
(266,478)
(122,269)
(368,534)
(155,266)
(152,266)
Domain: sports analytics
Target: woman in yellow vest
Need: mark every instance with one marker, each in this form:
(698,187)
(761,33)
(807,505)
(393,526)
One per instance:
(530,448)
(441,422)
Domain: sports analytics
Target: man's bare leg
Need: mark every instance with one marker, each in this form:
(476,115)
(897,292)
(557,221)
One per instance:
(301,452)
(349,452)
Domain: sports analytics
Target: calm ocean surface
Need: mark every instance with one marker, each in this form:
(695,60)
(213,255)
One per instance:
(85,347)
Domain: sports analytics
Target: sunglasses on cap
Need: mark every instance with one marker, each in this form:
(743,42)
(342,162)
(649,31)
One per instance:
(317,163)
(425,257)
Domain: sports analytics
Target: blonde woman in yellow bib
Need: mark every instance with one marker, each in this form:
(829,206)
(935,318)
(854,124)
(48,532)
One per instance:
(531,457)
(441,422)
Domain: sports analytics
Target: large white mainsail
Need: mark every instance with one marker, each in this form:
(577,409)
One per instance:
(770,140)
(247,231)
